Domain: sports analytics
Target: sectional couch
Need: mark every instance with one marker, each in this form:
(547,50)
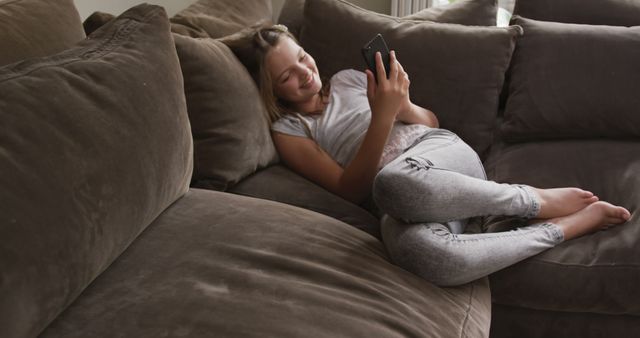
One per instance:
(142,195)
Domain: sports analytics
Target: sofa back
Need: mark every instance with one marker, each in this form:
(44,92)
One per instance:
(95,144)
(30,29)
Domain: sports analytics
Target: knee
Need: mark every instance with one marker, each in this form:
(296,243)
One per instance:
(386,190)
(426,251)
(399,195)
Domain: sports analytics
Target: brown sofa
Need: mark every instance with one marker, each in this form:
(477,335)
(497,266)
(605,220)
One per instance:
(107,144)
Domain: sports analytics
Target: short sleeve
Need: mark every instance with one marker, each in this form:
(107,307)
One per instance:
(351,78)
(289,125)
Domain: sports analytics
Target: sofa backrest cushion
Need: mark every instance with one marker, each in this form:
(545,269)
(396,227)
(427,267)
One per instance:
(464,12)
(593,12)
(95,145)
(33,28)
(95,21)
(456,71)
(218,18)
(228,119)
(573,81)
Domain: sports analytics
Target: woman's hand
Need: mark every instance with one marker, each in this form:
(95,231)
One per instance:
(389,96)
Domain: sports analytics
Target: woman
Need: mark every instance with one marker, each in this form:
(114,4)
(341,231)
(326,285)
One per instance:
(355,137)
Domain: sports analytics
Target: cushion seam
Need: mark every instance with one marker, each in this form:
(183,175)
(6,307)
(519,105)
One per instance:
(9,2)
(95,52)
(588,266)
(467,312)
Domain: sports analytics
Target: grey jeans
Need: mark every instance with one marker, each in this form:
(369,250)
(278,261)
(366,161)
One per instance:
(430,192)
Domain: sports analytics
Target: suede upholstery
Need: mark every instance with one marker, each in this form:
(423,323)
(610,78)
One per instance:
(292,16)
(567,80)
(95,21)
(228,119)
(88,163)
(457,72)
(574,82)
(510,321)
(608,168)
(464,12)
(296,190)
(593,12)
(218,18)
(104,146)
(29,29)
(248,267)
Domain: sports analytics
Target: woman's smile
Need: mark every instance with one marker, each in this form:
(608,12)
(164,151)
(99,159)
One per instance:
(308,81)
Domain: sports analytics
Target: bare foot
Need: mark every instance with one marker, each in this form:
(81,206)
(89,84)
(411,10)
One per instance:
(594,217)
(563,201)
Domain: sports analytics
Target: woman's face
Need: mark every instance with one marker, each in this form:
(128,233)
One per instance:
(294,74)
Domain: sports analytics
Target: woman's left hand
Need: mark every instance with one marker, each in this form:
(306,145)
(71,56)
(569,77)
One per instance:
(406,103)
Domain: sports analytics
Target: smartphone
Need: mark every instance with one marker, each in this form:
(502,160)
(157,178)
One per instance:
(369,50)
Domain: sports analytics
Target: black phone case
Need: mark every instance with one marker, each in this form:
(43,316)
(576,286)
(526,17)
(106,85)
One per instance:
(369,50)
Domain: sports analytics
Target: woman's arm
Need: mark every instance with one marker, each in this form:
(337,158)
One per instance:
(355,181)
(415,114)
(352,183)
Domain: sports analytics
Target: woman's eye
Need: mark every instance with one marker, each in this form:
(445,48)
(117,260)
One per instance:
(285,79)
(303,57)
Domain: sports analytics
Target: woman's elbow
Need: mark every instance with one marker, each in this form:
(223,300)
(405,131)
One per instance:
(435,123)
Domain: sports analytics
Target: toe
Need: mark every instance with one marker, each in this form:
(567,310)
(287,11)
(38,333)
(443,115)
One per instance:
(586,193)
(625,214)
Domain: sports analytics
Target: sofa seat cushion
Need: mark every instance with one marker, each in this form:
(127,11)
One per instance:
(221,264)
(599,272)
(34,28)
(278,183)
(510,322)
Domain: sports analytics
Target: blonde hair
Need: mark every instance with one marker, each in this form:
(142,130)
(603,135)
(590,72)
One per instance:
(251,47)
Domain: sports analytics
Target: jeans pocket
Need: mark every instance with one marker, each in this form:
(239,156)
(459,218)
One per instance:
(422,163)
(419,163)
(440,230)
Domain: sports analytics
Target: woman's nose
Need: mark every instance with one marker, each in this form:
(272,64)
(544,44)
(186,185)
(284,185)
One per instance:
(304,74)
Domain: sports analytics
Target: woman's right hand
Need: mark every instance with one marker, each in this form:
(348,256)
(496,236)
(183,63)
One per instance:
(387,95)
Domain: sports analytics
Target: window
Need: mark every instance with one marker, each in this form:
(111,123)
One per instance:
(505,8)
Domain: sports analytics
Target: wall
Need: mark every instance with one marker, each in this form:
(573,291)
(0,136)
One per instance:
(86,7)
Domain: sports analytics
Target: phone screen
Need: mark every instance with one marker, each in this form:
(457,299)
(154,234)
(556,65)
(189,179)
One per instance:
(377,44)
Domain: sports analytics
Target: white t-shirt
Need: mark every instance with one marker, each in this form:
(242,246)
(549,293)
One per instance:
(341,127)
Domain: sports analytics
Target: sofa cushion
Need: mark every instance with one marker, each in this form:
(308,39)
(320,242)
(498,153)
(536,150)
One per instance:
(456,71)
(278,183)
(598,272)
(464,12)
(33,28)
(228,119)
(221,264)
(95,145)
(95,21)
(292,16)
(510,321)
(218,18)
(593,12)
(573,81)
